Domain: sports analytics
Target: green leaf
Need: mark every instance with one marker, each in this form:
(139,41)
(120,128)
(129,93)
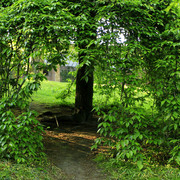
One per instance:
(175,126)
(123,144)
(94,147)
(178,160)
(140,136)
(140,164)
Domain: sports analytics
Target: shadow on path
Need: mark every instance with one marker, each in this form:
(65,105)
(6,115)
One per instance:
(68,146)
(71,152)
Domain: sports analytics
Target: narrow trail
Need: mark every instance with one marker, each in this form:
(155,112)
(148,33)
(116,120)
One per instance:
(69,146)
(71,152)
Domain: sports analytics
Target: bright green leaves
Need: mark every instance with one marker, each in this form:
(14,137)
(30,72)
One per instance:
(20,136)
(175,152)
(31,31)
(140,165)
(144,68)
(174,7)
(120,135)
(145,65)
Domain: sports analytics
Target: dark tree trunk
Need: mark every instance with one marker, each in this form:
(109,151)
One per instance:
(84,79)
(84,94)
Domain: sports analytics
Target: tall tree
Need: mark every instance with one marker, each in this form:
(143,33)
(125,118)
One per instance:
(85,13)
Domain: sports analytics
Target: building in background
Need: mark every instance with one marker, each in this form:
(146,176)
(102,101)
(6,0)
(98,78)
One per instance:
(62,73)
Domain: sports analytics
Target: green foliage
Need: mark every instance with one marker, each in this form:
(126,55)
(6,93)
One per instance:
(145,66)
(124,170)
(174,6)
(127,131)
(20,135)
(31,31)
(13,171)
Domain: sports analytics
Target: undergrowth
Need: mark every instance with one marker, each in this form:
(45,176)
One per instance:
(13,171)
(125,170)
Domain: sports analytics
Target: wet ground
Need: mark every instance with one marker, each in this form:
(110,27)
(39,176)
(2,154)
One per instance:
(67,144)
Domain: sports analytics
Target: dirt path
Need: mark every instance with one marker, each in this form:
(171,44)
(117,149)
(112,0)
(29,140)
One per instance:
(68,146)
(71,152)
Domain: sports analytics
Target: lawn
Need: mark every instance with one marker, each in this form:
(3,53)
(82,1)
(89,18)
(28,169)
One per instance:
(55,93)
(49,92)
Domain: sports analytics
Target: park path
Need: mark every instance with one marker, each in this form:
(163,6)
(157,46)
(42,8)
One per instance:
(71,152)
(69,145)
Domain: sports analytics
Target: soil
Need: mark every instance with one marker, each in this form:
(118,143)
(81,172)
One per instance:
(68,144)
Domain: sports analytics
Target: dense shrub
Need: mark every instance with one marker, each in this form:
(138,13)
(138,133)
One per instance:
(20,135)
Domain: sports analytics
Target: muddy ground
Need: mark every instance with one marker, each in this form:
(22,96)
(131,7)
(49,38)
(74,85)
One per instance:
(68,144)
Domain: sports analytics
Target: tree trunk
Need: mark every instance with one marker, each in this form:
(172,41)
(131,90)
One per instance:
(84,79)
(84,89)
(84,94)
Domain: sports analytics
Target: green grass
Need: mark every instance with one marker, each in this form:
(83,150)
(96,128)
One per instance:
(49,91)
(128,171)
(12,171)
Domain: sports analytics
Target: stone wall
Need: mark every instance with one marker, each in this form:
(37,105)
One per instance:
(53,75)
(64,73)
(61,75)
